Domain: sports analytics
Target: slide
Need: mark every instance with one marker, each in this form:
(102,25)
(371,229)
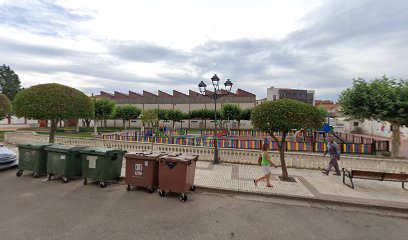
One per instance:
(338,137)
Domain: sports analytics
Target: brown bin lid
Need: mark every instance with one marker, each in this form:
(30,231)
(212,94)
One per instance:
(144,155)
(178,158)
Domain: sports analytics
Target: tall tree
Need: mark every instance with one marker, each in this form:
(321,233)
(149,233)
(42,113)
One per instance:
(53,102)
(5,106)
(9,82)
(104,109)
(285,115)
(383,99)
(126,113)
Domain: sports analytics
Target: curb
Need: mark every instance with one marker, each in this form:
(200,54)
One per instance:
(308,199)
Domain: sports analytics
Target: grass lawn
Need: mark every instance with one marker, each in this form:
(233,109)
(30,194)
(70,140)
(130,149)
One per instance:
(70,134)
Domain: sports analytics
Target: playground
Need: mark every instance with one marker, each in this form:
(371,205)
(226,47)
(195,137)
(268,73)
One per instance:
(304,140)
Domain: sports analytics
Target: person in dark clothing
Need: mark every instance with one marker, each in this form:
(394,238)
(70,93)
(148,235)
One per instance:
(334,152)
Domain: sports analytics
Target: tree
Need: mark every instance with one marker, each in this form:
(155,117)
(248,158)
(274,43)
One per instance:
(104,109)
(382,99)
(5,106)
(285,115)
(9,82)
(127,112)
(151,118)
(53,102)
(230,112)
(176,116)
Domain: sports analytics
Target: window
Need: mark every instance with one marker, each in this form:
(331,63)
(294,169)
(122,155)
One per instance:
(274,97)
(355,124)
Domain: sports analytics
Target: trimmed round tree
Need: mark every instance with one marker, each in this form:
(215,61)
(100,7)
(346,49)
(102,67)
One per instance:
(5,106)
(127,112)
(52,102)
(176,116)
(231,112)
(104,109)
(285,115)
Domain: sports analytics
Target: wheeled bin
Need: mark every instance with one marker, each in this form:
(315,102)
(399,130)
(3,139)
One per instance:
(176,174)
(64,161)
(142,170)
(32,157)
(101,164)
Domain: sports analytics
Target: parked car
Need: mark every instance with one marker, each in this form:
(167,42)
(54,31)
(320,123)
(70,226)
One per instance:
(8,158)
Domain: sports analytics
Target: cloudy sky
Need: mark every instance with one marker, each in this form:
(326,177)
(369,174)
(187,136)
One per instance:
(155,45)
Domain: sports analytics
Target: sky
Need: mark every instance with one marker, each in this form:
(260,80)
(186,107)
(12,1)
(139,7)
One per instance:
(167,45)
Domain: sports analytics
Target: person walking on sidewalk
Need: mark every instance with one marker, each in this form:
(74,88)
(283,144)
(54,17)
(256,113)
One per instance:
(265,166)
(333,150)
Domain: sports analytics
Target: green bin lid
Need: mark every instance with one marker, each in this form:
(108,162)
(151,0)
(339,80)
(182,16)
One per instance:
(35,146)
(101,151)
(63,148)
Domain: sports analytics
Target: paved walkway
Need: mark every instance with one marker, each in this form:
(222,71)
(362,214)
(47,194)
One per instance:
(310,184)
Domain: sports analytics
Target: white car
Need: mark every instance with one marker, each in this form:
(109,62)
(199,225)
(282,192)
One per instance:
(8,158)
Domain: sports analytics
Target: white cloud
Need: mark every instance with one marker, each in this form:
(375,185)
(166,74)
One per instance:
(129,45)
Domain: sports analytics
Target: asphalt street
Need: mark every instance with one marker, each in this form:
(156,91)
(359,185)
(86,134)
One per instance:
(38,209)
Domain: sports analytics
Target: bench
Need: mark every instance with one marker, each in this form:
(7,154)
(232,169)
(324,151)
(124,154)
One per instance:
(371,175)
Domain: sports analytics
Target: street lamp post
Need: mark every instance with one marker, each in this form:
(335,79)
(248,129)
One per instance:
(217,94)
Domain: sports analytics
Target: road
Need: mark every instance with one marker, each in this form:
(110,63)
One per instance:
(38,209)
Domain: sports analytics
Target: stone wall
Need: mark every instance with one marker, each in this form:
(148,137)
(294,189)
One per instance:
(296,160)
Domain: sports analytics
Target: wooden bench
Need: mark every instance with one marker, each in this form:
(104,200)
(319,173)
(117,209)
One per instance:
(371,175)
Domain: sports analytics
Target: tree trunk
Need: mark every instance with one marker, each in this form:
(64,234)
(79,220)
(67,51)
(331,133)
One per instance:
(54,124)
(395,139)
(239,123)
(173,123)
(124,123)
(77,126)
(282,147)
(95,127)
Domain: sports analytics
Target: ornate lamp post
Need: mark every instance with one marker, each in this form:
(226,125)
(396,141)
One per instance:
(217,94)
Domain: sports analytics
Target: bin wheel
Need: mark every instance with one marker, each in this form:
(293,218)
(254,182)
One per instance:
(85,181)
(102,184)
(128,187)
(36,175)
(183,198)
(19,173)
(49,176)
(193,188)
(162,193)
(64,179)
(150,190)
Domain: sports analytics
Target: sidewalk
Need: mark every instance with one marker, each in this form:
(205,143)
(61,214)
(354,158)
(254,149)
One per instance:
(310,185)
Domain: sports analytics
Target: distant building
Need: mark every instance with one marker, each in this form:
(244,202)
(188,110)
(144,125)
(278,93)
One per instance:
(331,107)
(184,102)
(306,96)
(259,101)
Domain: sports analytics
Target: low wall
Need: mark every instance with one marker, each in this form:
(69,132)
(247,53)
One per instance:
(293,159)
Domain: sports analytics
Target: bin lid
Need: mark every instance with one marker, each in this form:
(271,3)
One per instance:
(63,148)
(179,158)
(35,146)
(101,151)
(144,155)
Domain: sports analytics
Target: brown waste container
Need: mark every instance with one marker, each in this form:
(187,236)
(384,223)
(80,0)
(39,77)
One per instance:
(142,170)
(176,174)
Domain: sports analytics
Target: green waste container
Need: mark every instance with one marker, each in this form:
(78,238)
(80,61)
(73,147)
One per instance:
(32,157)
(101,164)
(64,161)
